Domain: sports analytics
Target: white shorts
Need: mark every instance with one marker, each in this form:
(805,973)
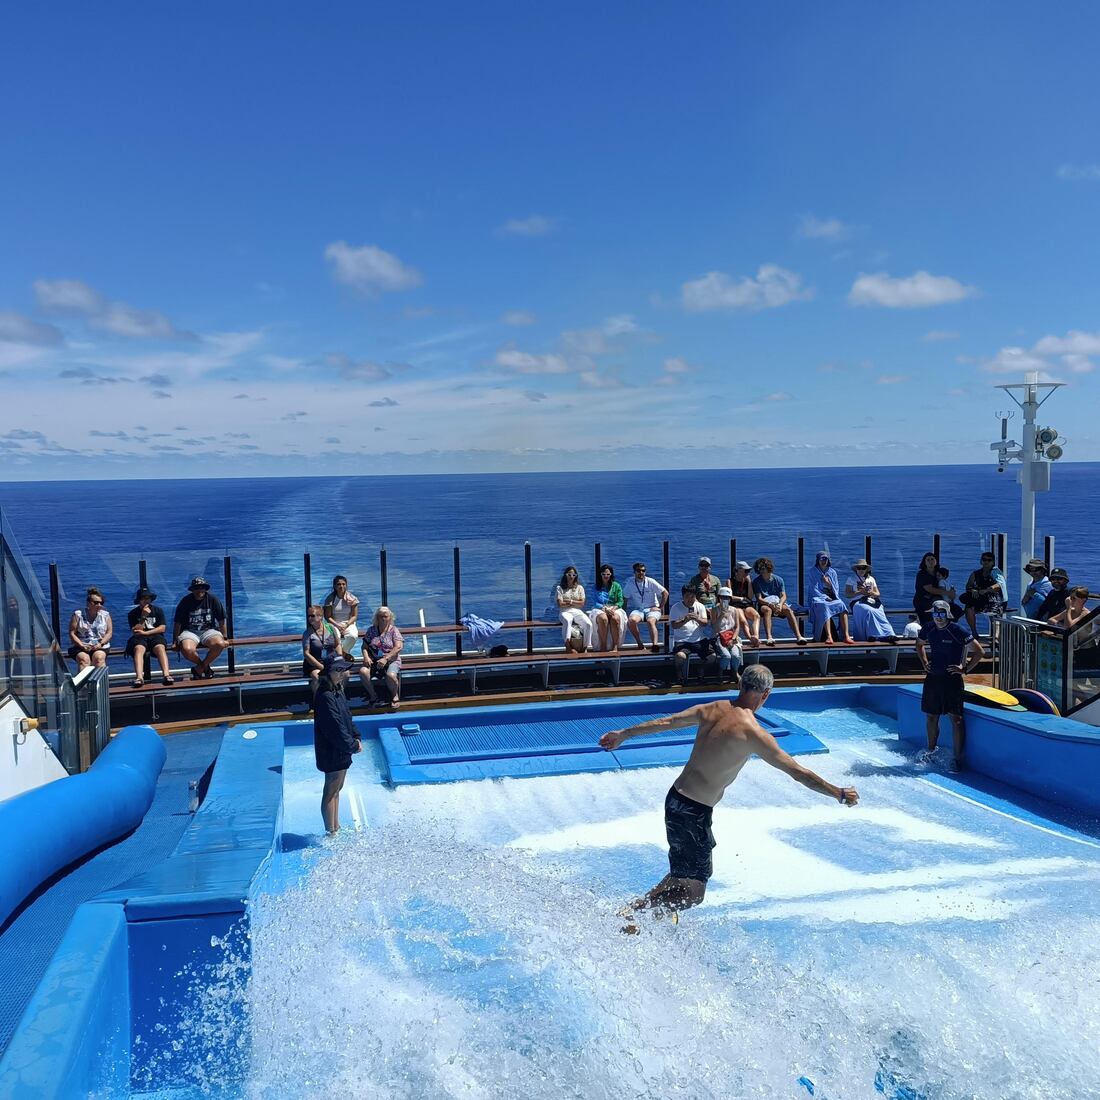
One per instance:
(205,638)
(652,614)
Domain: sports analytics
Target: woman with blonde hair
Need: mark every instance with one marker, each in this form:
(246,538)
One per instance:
(382,645)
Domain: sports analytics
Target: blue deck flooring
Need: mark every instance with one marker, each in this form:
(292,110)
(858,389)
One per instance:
(28,942)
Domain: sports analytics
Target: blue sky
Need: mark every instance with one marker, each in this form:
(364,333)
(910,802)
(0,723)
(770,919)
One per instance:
(257,239)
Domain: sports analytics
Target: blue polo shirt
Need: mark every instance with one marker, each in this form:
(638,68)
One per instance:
(1036,593)
(947,646)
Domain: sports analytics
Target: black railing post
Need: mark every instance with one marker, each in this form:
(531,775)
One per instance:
(1000,550)
(1048,551)
(143,574)
(733,556)
(597,557)
(227,571)
(936,547)
(867,548)
(528,610)
(665,575)
(383,577)
(801,571)
(55,605)
(458,600)
(307,574)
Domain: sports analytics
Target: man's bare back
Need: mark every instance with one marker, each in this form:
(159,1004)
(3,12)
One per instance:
(728,734)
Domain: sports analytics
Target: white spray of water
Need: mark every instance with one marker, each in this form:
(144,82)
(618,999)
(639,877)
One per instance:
(412,964)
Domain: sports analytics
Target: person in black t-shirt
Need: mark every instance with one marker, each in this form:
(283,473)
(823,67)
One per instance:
(947,651)
(199,621)
(148,634)
(1055,602)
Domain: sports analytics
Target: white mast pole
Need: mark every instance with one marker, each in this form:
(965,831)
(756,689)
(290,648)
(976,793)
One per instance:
(1027,481)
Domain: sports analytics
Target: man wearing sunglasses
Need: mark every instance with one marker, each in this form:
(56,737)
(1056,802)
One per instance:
(948,651)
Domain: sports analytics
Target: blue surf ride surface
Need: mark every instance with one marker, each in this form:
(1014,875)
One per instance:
(492,747)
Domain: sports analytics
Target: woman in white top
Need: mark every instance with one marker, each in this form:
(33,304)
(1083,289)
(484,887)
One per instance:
(869,621)
(726,622)
(90,630)
(569,595)
(341,611)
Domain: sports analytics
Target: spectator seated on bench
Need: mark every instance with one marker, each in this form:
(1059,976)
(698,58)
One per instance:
(986,591)
(771,599)
(868,616)
(689,623)
(607,614)
(646,599)
(825,602)
(341,610)
(382,645)
(199,621)
(148,634)
(90,631)
(726,623)
(320,643)
(744,599)
(569,596)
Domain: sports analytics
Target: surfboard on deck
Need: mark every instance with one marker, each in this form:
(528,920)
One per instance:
(983,696)
(1035,701)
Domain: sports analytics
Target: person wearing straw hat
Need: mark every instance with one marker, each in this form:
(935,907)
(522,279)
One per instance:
(868,616)
(948,651)
(148,634)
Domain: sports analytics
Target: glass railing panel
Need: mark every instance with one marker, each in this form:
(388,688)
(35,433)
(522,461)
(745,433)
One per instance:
(1083,653)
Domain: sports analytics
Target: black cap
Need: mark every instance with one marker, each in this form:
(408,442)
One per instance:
(143,594)
(199,582)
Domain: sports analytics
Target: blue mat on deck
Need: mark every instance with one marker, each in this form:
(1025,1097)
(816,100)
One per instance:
(497,750)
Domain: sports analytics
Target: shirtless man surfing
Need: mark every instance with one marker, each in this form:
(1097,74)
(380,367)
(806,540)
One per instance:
(728,735)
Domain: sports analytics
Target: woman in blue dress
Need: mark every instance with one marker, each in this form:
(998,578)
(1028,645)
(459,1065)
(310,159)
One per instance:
(825,602)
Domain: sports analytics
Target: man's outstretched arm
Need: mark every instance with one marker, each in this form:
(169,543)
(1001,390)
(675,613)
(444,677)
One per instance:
(767,748)
(614,738)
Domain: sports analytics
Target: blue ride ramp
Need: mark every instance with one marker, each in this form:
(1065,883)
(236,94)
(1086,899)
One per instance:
(502,743)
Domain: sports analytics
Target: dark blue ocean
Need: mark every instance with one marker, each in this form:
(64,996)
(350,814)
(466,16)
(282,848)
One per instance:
(96,531)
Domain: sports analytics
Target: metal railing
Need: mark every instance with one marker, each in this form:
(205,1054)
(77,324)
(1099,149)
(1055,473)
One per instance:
(1063,664)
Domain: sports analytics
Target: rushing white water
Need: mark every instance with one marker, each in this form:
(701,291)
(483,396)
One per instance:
(463,943)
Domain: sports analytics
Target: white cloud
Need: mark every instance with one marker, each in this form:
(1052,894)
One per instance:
(118,318)
(772,286)
(537,225)
(586,341)
(600,380)
(17,329)
(780,395)
(1074,352)
(619,325)
(369,269)
(938,335)
(1013,360)
(1089,172)
(911,292)
(523,362)
(518,317)
(823,229)
(676,365)
(892,379)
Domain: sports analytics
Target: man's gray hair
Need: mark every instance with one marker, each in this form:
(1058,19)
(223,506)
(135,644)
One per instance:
(757,679)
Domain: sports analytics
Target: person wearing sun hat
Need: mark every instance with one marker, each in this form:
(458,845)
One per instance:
(199,621)
(868,616)
(948,651)
(744,599)
(1038,590)
(148,634)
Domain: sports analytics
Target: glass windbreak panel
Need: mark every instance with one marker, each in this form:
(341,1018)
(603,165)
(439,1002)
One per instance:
(1084,655)
(30,663)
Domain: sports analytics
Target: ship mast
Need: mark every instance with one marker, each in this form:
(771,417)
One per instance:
(1039,448)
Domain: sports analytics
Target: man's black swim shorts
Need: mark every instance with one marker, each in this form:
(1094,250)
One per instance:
(690,840)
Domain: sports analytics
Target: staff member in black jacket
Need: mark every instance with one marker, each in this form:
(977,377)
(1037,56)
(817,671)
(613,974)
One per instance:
(334,738)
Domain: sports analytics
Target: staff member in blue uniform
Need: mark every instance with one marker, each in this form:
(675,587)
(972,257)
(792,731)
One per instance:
(948,651)
(334,738)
